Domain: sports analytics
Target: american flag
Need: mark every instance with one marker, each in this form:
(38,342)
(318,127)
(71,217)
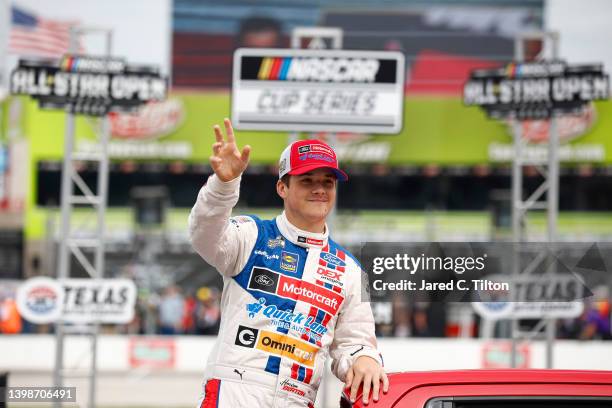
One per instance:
(33,35)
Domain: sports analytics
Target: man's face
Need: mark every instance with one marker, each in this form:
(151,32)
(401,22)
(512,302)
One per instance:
(310,196)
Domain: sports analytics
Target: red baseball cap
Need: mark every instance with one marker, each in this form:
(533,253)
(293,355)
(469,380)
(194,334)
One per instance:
(306,155)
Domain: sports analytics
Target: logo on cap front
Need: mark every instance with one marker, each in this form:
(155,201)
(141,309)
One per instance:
(307,155)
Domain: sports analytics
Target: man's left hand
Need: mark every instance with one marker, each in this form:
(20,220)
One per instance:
(368,371)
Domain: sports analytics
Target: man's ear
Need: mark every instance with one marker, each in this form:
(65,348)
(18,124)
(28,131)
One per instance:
(281,189)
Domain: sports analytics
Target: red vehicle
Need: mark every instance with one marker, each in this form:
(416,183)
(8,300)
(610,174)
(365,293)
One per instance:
(494,389)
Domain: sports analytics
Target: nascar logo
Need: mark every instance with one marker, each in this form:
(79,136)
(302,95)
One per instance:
(318,69)
(71,63)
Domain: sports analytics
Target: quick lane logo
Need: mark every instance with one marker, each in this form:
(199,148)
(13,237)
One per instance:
(287,319)
(264,280)
(289,261)
(285,346)
(246,336)
(318,69)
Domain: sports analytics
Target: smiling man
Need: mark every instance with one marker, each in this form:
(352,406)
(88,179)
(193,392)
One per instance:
(291,295)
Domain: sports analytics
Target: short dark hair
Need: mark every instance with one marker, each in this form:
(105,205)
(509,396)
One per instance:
(285,179)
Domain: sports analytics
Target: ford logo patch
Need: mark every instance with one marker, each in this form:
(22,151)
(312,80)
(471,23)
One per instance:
(332,259)
(264,280)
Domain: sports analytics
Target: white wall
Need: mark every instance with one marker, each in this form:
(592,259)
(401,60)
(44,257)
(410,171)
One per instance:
(36,353)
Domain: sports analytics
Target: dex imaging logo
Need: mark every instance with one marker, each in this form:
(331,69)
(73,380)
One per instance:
(246,336)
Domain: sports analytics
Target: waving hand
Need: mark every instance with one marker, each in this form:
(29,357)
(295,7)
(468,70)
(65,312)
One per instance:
(227,161)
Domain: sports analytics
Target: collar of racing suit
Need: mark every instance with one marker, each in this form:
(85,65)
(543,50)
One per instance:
(300,237)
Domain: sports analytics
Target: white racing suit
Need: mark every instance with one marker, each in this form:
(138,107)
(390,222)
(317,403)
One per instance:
(290,299)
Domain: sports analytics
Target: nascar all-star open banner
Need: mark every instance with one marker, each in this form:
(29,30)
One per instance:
(88,85)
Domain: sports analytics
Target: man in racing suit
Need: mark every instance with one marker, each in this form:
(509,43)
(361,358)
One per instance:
(291,295)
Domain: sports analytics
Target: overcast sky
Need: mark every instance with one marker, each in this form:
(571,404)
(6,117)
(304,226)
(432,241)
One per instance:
(585,28)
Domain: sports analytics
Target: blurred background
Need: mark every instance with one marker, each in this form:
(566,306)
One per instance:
(445,177)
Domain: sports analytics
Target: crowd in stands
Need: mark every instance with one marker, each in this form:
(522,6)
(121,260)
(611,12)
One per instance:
(175,312)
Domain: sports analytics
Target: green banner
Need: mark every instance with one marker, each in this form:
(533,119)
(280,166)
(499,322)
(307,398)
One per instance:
(436,130)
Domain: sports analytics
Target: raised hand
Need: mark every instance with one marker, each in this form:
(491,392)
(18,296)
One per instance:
(227,161)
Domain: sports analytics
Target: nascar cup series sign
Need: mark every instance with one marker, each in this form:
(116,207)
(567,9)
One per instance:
(88,85)
(318,90)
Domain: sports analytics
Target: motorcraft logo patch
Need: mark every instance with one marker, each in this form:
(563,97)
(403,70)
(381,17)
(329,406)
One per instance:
(287,319)
(289,261)
(246,336)
(269,281)
(322,149)
(312,241)
(264,280)
(316,148)
(315,295)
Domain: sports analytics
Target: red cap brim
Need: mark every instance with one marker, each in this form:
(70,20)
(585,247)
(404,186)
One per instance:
(340,175)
